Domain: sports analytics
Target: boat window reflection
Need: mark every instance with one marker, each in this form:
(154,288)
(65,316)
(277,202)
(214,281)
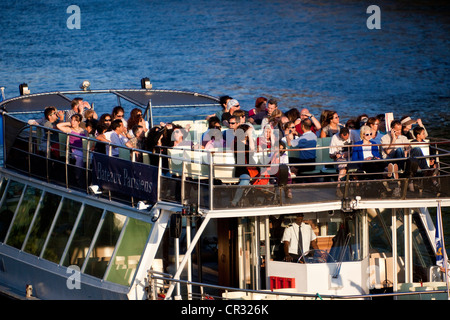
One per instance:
(83,236)
(42,223)
(62,230)
(104,246)
(129,252)
(23,217)
(8,207)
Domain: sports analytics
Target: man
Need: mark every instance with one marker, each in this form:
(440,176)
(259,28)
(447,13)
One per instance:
(305,114)
(307,140)
(298,239)
(51,117)
(118,136)
(232,106)
(77,105)
(272,111)
(393,142)
(229,134)
(338,152)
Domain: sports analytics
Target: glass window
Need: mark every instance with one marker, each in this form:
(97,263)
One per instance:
(24,216)
(104,246)
(62,230)
(83,236)
(9,207)
(129,252)
(338,235)
(42,223)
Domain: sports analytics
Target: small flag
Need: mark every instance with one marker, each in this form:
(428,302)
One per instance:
(438,239)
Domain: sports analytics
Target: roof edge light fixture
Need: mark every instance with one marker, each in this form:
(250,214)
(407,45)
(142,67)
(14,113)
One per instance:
(146,84)
(23,89)
(85,85)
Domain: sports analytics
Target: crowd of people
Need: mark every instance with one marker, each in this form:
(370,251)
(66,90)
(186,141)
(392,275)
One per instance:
(233,128)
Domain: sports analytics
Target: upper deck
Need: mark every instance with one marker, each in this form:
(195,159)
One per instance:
(200,178)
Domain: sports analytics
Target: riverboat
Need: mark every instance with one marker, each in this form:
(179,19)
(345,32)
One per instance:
(164,227)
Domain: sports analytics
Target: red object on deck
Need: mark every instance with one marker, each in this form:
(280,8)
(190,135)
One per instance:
(280,283)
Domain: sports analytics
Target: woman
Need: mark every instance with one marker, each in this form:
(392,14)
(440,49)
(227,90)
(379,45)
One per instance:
(365,150)
(332,126)
(257,114)
(135,119)
(75,143)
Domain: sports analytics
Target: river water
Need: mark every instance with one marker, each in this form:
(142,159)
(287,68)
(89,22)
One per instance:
(313,53)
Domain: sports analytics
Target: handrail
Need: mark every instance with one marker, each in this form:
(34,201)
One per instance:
(154,278)
(204,158)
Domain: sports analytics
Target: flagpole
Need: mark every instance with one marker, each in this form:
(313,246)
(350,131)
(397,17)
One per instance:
(444,252)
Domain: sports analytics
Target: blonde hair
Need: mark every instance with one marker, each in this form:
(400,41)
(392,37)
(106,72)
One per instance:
(363,131)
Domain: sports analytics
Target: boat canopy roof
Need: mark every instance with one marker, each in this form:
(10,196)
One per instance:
(139,97)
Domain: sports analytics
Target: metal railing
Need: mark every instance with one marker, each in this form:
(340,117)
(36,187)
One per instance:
(158,283)
(187,176)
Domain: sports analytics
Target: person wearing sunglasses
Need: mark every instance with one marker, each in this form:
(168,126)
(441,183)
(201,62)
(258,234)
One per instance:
(367,150)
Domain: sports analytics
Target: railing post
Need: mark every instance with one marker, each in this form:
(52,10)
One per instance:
(48,155)
(67,160)
(211,180)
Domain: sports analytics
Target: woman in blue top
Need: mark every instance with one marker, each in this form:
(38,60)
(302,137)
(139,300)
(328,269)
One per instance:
(366,149)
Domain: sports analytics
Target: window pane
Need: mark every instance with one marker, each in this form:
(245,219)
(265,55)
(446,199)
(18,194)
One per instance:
(83,236)
(62,230)
(42,223)
(9,207)
(129,252)
(24,216)
(105,244)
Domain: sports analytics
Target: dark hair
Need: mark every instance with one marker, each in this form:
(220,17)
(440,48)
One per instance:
(395,122)
(307,123)
(344,131)
(135,129)
(351,124)
(212,122)
(292,114)
(116,124)
(116,110)
(371,121)
(223,101)
(102,127)
(78,116)
(418,130)
(259,101)
(48,111)
(75,102)
(273,101)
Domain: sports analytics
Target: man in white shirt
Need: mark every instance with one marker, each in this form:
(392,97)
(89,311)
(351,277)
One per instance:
(338,152)
(292,237)
(393,142)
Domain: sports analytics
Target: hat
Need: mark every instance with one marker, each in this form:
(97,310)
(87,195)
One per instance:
(232,103)
(407,121)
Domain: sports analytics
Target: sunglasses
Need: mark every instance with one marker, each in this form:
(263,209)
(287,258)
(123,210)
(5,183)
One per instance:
(232,122)
(368,134)
(107,119)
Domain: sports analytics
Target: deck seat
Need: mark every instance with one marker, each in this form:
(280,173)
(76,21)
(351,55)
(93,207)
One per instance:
(325,142)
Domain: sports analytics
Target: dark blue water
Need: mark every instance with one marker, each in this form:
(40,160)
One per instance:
(318,54)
